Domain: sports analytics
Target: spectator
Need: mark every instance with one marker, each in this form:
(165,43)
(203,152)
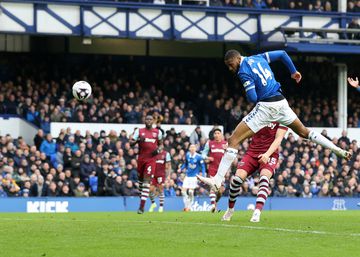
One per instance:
(354,24)
(39,138)
(75,163)
(327,6)
(45,124)
(93,183)
(129,189)
(48,147)
(259,4)
(32,115)
(271,4)
(306,193)
(71,144)
(65,191)
(86,169)
(117,189)
(11,105)
(80,191)
(318,6)
(52,190)
(357,6)
(196,136)
(39,188)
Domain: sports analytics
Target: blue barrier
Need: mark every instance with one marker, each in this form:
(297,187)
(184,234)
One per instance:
(116,204)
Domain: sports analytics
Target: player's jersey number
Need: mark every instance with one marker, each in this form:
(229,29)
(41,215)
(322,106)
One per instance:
(272,161)
(263,74)
(149,170)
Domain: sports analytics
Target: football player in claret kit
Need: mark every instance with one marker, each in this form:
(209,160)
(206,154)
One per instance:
(192,166)
(262,88)
(163,164)
(261,155)
(150,145)
(212,154)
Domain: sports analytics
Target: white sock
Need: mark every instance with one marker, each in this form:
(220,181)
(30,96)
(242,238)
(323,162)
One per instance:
(185,199)
(191,196)
(323,141)
(225,164)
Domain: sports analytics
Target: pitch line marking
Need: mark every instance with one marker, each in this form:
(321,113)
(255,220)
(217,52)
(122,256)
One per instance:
(317,232)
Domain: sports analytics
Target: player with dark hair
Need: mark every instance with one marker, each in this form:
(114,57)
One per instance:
(212,154)
(150,145)
(262,88)
(261,155)
(163,164)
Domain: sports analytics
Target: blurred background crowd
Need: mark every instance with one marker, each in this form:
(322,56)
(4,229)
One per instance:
(103,164)
(176,91)
(201,92)
(309,5)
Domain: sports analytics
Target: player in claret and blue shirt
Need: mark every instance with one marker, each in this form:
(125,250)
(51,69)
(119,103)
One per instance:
(262,88)
(194,163)
(149,140)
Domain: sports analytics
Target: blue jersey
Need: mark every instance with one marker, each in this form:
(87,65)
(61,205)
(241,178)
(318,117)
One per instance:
(193,164)
(257,77)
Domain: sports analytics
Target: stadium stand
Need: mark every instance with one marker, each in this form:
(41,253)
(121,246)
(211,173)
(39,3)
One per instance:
(201,96)
(105,165)
(309,5)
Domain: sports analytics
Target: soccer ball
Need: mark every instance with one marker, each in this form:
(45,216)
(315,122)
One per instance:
(81,90)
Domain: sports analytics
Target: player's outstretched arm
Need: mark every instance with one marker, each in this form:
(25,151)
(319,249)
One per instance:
(285,59)
(354,83)
(280,134)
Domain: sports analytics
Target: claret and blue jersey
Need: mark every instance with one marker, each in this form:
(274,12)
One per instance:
(257,77)
(193,164)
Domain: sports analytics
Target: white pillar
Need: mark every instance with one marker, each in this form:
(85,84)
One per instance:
(342,5)
(342,96)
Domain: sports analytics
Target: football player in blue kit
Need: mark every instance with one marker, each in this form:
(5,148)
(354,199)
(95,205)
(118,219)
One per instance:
(194,163)
(262,89)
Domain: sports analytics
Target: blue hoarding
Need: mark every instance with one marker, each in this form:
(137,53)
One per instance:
(115,204)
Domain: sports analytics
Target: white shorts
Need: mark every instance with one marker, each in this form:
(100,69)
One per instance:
(190,182)
(266,112)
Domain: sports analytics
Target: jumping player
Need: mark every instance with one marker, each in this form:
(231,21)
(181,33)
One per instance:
(261,155)
(163,164)
(212,154)
(261,88)
(193,163)
(150,145)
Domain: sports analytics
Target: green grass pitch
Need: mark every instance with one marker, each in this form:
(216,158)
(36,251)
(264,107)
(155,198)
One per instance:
(280,234)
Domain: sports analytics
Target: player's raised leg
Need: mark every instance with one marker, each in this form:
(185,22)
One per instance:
(298,127)
(241,132)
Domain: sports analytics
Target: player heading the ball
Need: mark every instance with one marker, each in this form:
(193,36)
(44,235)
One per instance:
(262,88)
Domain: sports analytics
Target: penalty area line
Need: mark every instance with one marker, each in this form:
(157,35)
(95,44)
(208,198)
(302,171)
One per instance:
(299,231)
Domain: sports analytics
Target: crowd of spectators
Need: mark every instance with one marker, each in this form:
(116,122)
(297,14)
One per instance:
(308,5)
(176,91)
(179,92)
(103,164)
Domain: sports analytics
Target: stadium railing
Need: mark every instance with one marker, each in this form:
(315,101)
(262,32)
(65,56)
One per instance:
(321,32)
